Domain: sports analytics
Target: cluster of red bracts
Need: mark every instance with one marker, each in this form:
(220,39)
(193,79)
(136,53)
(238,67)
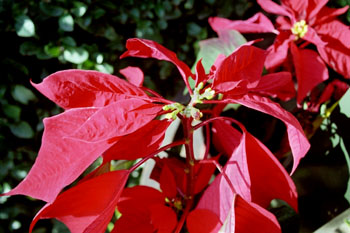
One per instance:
(298,25)
(108,116)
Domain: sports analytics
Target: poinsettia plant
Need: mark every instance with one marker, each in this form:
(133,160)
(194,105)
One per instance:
(116,119)
(308,38)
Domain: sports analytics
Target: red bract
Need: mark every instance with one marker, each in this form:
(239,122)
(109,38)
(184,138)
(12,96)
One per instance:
(109,117)
(300,23)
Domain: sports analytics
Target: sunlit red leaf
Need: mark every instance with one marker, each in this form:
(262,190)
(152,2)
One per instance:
(82,88)
(94,199)
(117,119)
(297,139)
(202,221)
(310,70)
(240,71)
(61,160)
(133,74)
(258,23)
(250,217)
(149,49)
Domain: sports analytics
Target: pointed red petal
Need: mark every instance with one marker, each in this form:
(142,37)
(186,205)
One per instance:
(273,8)
(82,205)
(117,119)
(271,180)
(258,23)
(163,218)
(202,221)
(61,160)
(145,144)
(297,139)
(133,74)
(336,52)
(310,70)
(149,49)
(251,218)
(82,88)
(327,14)
(278,52)
(297,7)
(167,182)
(313,9)
(240,71)
(278,85)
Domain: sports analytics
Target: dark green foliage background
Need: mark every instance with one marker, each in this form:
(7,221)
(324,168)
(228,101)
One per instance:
(42,37)
(96,32)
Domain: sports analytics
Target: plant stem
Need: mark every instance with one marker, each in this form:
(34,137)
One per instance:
(190,162)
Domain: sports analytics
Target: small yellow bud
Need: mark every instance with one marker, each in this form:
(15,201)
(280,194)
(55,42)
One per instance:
(299,29)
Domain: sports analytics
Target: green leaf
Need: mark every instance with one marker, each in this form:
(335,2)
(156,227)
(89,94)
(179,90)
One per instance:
(105,68)
(79,9)
(22,94)
(51,50)
(76,55)
(28,48)
(344,103)
(24,26)
(12,111)
(22,130)
(69,41)
(66,23)
(225,44)
(51,10)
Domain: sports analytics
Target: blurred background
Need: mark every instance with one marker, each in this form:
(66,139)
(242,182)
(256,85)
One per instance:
(42,37)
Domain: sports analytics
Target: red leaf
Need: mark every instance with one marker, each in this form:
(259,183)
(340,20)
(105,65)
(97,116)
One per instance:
(278,85)
(138,197)
(202,221)
(251,218)
(61,160)
(133,74)
(82,88)
(278,52)
(313,9)
(326,14)
(167,182)
(258,23)
(92,200)
(203,173)
(336,53)
(273,8)
(269,180)
(310,70)
(146,48)
(200,73)
(147,139)
(117,119)
(297,7)
(134,223)
(163,218)
(297,139)
(240,71)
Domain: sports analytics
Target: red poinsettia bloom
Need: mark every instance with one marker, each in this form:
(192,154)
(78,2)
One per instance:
(110,117)
(298,24)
